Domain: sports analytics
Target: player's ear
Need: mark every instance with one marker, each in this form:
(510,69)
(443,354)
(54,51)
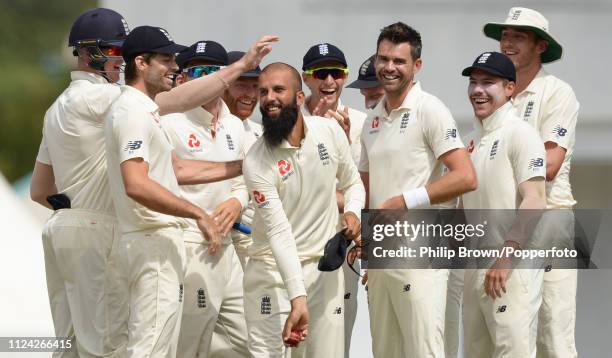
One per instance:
(300,98)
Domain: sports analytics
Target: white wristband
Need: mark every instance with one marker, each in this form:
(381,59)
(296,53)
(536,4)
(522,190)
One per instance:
(416,198)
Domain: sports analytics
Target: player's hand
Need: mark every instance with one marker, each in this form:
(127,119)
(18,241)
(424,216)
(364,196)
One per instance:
(226,214)
(323,107)
(396,202)
(211,233)
(364,279)
(296,326)
(343,120)
(258,51)
(351,224)
(496,278)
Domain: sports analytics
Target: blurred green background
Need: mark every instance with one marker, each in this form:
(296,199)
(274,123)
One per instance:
(35,69)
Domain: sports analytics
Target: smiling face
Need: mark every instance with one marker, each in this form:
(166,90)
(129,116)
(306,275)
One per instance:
(159,73)
(522,47)
(488,92)
(372,96)
(241,97)
(328,88)
(395,67)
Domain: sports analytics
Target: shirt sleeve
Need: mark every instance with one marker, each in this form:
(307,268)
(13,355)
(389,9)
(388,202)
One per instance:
(348,177)
(260,181)
(559,116)
(133,135)
(99,99)
(439,127)
(43,152)
(527,154)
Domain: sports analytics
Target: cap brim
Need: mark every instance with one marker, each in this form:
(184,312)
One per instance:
(468,71)
(324,59)
(364,84)
(183,62)
(170,49)
(554,51)
(251,74)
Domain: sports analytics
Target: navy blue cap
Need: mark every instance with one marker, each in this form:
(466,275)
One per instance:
(323,52)
(234,56)
(145,39)
(367,75)
(334,252)
(101,24)
(494,63)
(203,50)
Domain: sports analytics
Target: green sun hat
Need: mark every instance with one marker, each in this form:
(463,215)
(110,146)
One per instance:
(531,20)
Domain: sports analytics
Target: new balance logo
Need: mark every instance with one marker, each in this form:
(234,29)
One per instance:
(338,310)
(201,47)
(201,298)
(323,49)
(501,309)
(266,305)
(536,163)
(406,288)
(132,145)
(560,131)
(450,133)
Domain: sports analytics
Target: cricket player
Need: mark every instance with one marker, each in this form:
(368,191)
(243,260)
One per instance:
(144,178)
(80,244)
(213,284)
(291,173)
(500,304)
(551,107)
(367,83)
(325,71)
(241,99)
(406,139)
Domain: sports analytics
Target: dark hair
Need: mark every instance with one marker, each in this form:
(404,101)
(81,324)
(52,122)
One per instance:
(297,79)
(130,72)
(399,33)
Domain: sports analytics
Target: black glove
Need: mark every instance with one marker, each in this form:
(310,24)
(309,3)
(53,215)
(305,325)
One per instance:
(334,252)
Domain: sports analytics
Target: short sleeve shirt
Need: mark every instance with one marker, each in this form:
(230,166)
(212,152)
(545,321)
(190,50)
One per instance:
(400,150)
(133,130)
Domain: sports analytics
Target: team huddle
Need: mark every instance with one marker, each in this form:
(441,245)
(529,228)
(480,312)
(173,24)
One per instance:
(183,228)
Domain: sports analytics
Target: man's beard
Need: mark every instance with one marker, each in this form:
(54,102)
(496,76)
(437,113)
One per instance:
(278,128)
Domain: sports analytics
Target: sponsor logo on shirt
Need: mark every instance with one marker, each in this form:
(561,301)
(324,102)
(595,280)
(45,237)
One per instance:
(132,146)
(260,199)
(494,149)
(285,169)
(193,141)
(501,309)
(338,310)
(201,299)
(323,154)
(450,133)
(375,125)
(230,142)
(536,163)
(560,131)
(528,110)
(266,305)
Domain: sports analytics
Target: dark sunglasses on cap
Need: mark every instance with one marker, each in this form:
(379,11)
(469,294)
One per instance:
(199,71)
(112,51)
(322,72)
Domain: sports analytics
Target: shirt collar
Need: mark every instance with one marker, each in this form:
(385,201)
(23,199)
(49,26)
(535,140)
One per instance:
(494,121)
(537,83)
(87,76)
(147,102)
(409,102)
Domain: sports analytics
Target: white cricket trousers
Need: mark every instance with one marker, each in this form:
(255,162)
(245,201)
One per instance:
(507,326)
(153,269)
(452,324)
(267,307)
(213,299)
(407,308)
(81,264)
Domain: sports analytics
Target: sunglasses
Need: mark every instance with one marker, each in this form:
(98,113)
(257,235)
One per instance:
(199,71)
(112,51)
(322,72)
